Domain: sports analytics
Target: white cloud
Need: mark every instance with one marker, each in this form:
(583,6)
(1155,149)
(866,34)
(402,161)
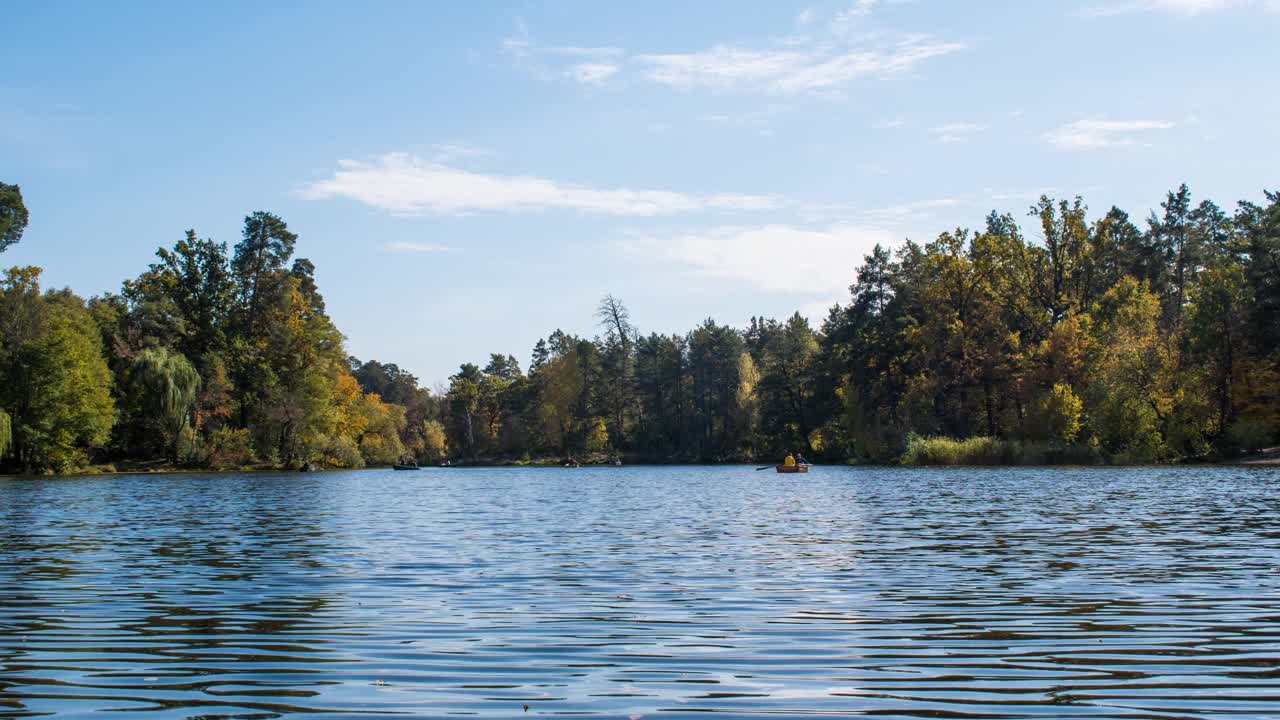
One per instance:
(771,258)
(729,201)
(1028,196)
(955,132)
(404,183)
(1189,8)
(721,67)
(918,208)
(448,152)
(593,73)
(402,246)
(844,20)
(589,65)
(755,117)
(787,65)
(598,51)
(789,70)
(1093,134)
(925,218)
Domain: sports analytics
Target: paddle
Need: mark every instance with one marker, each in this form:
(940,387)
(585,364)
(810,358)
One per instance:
(766,467)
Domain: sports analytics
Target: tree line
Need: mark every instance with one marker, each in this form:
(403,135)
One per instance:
(1078,339)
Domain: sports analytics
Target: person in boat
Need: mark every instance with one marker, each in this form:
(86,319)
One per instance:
(790,461)
(800,460)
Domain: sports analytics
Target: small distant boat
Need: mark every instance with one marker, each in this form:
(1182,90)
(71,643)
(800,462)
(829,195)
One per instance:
(401,466)
(792,468)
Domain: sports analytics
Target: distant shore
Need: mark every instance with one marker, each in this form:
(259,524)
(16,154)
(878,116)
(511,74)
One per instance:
(1267,457)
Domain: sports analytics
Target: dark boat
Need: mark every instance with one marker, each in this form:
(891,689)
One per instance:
(792,468)
(399,466)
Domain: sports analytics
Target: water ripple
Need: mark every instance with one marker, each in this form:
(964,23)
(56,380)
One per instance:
(640,592)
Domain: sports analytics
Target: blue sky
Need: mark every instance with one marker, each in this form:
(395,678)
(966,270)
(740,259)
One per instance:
(468,177)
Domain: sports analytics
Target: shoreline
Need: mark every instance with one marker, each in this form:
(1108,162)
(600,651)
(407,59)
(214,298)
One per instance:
(1267,458)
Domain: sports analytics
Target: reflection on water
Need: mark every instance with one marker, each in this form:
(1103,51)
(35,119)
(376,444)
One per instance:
(624,592)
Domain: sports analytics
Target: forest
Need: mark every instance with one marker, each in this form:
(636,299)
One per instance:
(1064,339)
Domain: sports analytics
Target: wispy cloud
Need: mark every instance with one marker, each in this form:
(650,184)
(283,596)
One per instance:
(406,184)
(449,152)
(586,65)
(1093,134)
(1189,8)
(911,209)
(844,21)
(593,73)
(923,218)
(1026,195)
(770,258)
(790,70)
(831,57)
(403,246)
(955,132)
(755,117)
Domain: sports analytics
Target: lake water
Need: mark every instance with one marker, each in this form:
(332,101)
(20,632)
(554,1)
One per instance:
(628,592)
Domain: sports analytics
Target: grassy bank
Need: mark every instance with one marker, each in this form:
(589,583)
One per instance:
(993,451)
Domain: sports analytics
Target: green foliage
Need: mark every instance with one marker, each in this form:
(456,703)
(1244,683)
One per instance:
(1132,399)
(260,259)
(229,448)
(1055,416)
(435,446)
(1096,340)
(983,450)
(559,391)
(747,402)
(344,452)
(387,381)
(54,383)
(218,361)
(166,385)
(6,434)
(1248,435)
(597,435)
(380,444)
(787,385)
(13,215)
(971,451)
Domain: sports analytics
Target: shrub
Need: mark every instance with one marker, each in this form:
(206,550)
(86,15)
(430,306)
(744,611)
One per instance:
(1055,415)
(949,451)
(435,443)
(597,435)
(344,452)
(992,451)
(1247,436)
(229,448)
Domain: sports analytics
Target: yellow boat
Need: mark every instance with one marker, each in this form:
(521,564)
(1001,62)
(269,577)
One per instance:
(792,468)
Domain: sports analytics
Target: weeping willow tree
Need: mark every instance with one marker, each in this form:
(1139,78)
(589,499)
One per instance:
(6,434)
(167,384)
